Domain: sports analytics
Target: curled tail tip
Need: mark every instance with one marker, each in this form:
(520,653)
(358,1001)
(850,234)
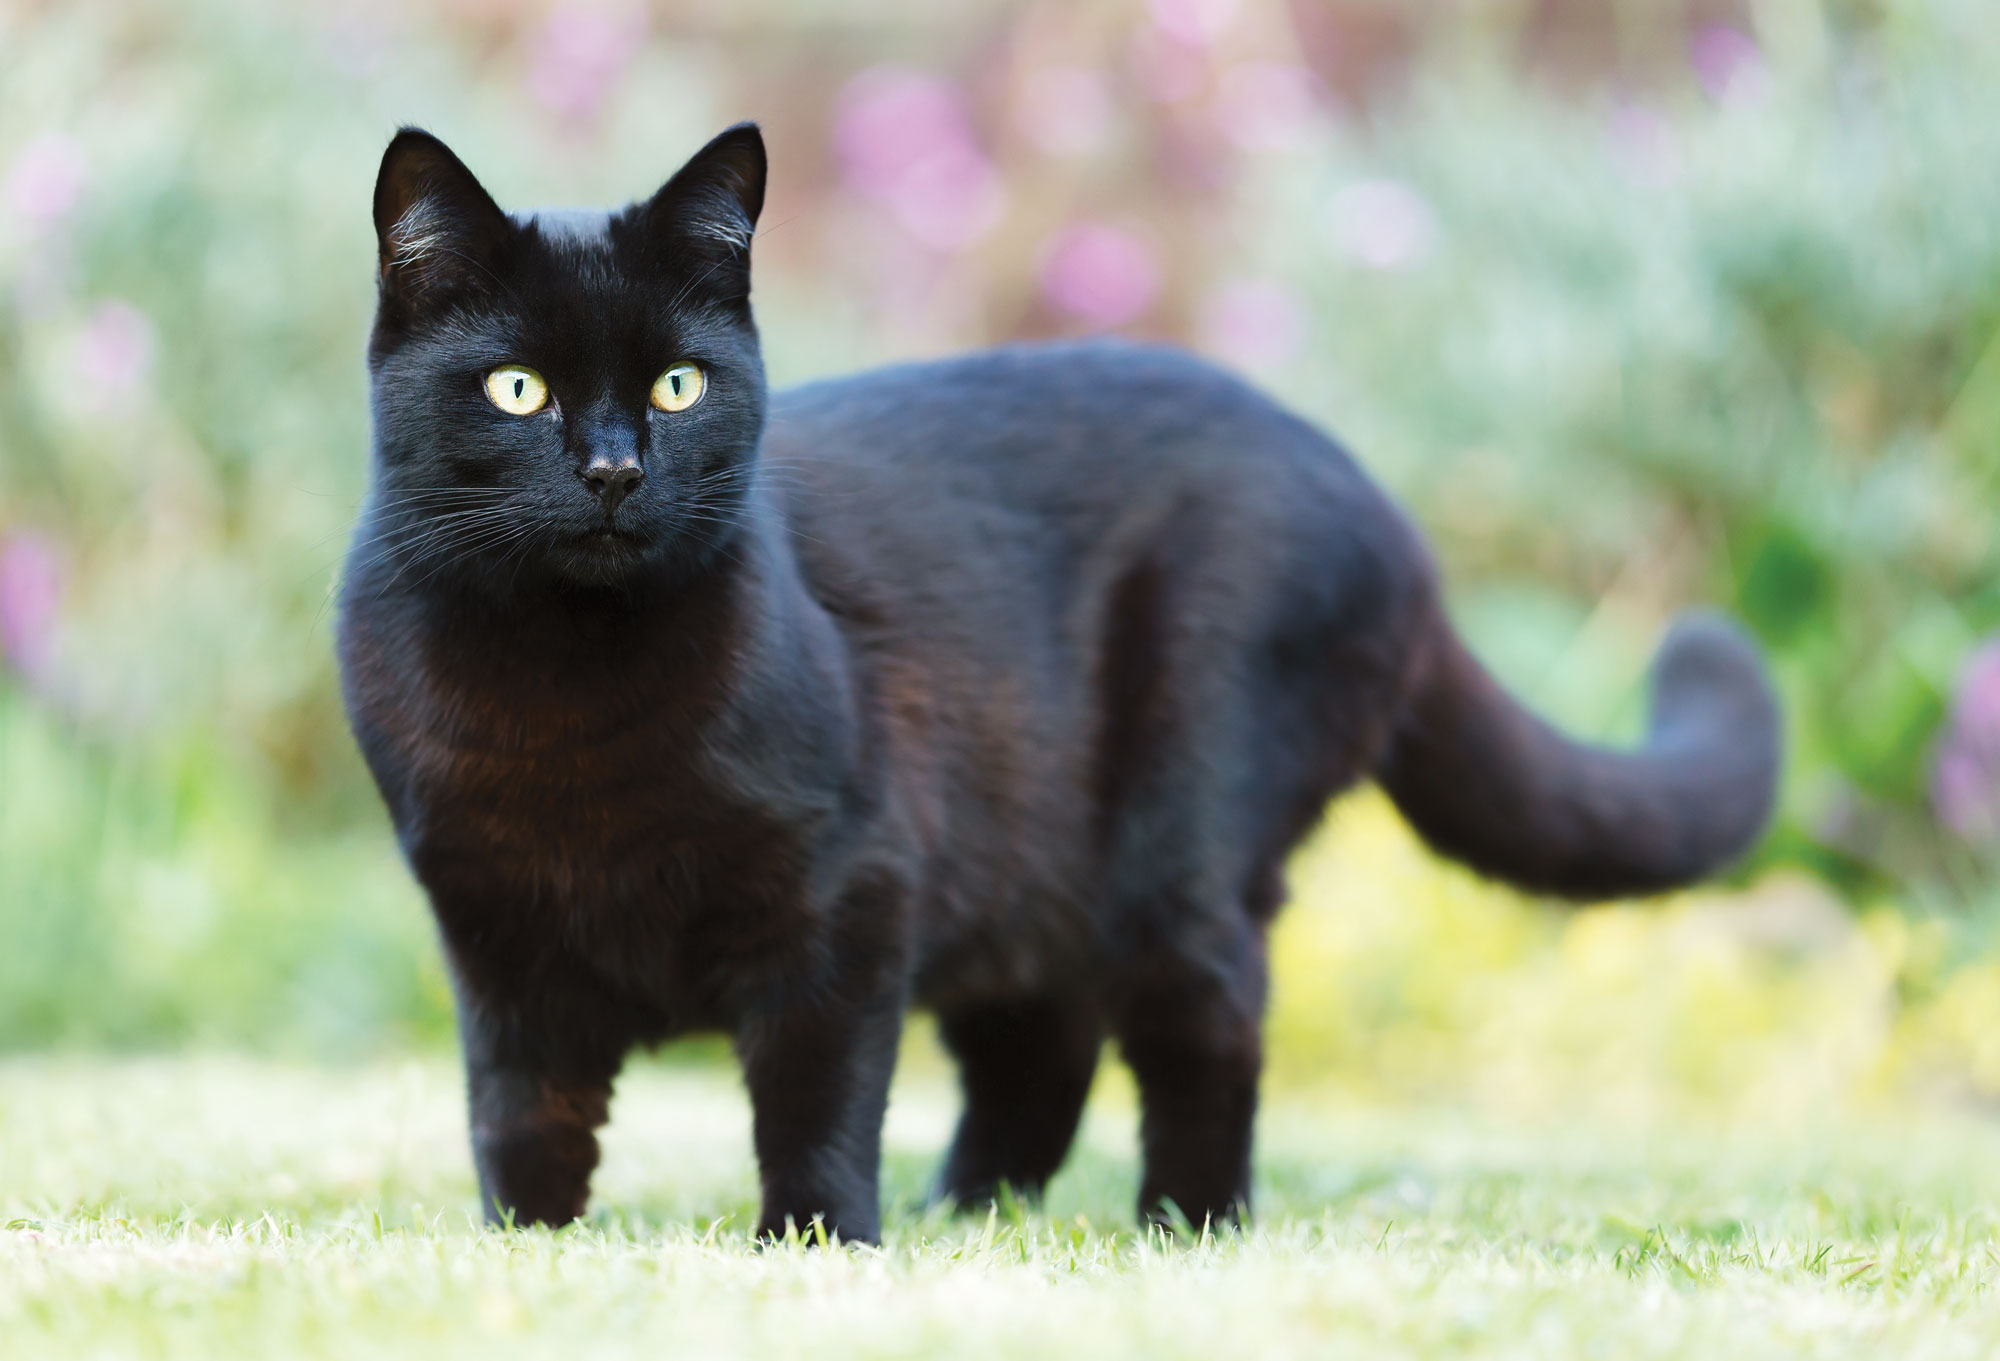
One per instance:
(1708,641)
(1709,663)
(1713,699)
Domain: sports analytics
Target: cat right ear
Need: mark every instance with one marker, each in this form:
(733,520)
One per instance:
(702,220)
(438,231)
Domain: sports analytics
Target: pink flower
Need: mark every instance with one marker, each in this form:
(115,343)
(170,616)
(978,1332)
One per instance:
(1104,275)
(1977,710)
(1253,323)
(114,355)
(1197,22)
(1265,104)
(579,60)
(46,180)
(903,139)
(30,591)
(1382,224)
(1963,793)
(950,202)
(1729,64)
(1066,110)
(1965,780)
(889,118)
(1167,69)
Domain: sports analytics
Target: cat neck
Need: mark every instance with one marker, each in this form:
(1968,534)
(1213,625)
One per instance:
(740,638)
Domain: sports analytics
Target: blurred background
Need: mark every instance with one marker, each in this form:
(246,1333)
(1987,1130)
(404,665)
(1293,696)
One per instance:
(1635,303)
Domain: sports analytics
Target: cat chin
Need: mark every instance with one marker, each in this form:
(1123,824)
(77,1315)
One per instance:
(602,558)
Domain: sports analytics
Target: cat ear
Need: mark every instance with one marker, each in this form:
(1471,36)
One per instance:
(703,218)
(439,232)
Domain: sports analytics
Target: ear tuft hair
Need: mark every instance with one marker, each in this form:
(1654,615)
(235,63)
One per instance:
(706,215)
(437,230)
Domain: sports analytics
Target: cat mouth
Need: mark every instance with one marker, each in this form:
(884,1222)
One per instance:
(606,535)
(600,554)
(610,546)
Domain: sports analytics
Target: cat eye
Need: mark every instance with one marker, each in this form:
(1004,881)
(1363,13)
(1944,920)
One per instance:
(517,389)
(679,388)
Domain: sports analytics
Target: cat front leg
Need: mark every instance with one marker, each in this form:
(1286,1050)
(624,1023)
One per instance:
(818,1074)
(537,1092)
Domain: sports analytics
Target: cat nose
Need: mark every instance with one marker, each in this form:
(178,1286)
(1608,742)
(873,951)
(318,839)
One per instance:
(612,481)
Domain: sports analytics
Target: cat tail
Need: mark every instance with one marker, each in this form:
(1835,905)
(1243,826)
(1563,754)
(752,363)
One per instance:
(1487,783)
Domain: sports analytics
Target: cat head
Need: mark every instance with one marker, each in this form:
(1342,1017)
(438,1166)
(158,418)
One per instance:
(561,396)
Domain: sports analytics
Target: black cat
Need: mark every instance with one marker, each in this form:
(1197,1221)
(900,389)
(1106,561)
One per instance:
(1001,685)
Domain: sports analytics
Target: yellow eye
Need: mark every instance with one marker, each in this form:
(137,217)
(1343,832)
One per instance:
(517,390)
(679,388)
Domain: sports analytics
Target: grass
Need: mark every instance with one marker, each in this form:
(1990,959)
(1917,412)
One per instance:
(219,1207)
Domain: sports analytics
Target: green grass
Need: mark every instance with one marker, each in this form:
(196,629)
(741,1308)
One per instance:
(212,1207)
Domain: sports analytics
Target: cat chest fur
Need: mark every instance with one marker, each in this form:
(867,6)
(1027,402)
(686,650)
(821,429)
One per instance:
(591,821)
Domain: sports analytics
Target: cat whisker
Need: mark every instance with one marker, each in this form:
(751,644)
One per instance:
(463,534)
(467,551)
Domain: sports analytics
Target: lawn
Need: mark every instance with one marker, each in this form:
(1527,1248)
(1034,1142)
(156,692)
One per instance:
(207,1207)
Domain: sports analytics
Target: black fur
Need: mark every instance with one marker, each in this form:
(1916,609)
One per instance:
(1001,686)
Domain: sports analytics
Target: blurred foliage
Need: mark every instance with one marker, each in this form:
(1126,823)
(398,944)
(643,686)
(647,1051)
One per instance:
(1635,305)
(1400,979)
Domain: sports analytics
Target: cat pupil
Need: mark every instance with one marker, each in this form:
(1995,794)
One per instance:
(519,383)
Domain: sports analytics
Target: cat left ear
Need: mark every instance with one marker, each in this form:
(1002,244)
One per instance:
(707,212)
(439,232)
